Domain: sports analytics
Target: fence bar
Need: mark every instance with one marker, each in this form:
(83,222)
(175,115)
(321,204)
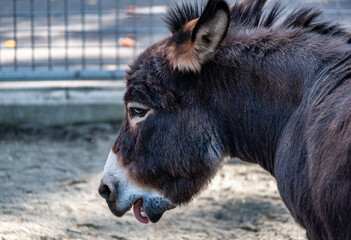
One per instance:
(134,29)
(49,34)
(100,34)
(59,65)
(15,33)
(337,5)
(0,44)
(82,9)
(66,33)
(37,46)
(61,13)
(111,30)
(151,18)
(338,8)
(32,39)
(117,6)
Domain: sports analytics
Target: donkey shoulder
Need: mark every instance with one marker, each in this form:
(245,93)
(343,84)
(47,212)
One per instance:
(328,135)
(313,160)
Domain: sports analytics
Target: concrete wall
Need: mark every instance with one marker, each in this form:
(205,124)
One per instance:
(61,103)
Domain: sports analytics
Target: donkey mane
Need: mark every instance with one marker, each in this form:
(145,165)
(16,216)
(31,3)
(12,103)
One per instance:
(253,14)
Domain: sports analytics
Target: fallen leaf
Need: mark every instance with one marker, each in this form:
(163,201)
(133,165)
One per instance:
(131,12)
(126,42)
(111,67)
(131,8)
(10,43)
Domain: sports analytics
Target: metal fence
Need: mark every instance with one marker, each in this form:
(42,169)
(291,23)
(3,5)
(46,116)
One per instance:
(86,39)
(75,39)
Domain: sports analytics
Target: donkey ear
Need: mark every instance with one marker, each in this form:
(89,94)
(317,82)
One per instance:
(199,39)
(210,29)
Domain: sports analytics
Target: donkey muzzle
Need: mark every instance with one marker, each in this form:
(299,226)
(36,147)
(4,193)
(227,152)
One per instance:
(121,193)
(153,206)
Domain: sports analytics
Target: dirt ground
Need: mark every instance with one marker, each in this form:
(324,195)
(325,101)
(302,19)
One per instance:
(48,190)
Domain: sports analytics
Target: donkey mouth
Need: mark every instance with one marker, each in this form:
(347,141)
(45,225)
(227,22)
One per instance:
(139,212)
(145,210)
(151,210)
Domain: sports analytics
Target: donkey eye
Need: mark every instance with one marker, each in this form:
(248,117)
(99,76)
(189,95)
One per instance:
(137,112)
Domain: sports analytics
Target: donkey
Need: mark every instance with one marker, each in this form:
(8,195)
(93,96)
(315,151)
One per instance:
(243,81)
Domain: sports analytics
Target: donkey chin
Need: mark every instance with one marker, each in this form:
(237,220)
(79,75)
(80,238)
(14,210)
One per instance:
(121,194)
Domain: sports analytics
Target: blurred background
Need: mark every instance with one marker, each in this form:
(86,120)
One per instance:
(62,64)
(70,54)
(89,39)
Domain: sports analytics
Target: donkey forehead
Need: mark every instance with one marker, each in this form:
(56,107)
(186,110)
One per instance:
(149,61)
(153,82)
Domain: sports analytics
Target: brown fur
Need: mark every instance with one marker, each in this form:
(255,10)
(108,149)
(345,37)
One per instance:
(273,91)
(196,42)
(183,56)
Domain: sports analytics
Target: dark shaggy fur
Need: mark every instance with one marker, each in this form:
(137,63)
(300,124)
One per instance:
(251,14)
(251,82)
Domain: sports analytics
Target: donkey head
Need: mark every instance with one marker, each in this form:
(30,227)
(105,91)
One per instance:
(168,147)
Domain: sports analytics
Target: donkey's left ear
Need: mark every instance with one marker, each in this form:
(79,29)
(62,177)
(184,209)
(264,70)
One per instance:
(206,33)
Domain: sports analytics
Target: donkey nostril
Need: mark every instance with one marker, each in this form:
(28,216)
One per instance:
(104,191)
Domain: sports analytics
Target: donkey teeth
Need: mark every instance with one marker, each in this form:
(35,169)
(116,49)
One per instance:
(142,212)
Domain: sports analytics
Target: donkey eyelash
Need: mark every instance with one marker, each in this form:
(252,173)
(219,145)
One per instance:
(137,112)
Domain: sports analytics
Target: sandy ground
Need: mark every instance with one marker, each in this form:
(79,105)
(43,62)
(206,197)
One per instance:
(48,190)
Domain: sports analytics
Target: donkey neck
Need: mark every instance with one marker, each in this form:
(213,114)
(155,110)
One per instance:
(259,86)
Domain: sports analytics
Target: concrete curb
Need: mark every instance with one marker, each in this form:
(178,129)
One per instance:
(55,103)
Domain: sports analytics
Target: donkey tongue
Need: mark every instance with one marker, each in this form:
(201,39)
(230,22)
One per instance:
(137,212)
